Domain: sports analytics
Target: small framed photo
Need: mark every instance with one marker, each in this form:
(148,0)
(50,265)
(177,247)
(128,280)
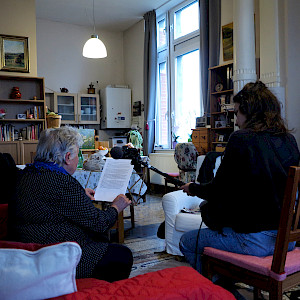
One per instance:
(221,138)
(21,116)
(14,53)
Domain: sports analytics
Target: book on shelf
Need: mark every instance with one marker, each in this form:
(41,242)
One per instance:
(229,75)
(31,132)
(7,132)
(36,112)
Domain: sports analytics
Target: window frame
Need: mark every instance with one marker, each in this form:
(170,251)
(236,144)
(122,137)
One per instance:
(168,54)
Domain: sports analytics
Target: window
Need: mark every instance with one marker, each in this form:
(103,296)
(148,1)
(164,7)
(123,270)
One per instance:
(186,20)
(178,98)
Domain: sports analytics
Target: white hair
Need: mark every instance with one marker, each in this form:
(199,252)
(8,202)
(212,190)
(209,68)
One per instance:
(54,143)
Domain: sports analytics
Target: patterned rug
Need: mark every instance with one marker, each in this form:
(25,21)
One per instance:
(147,248)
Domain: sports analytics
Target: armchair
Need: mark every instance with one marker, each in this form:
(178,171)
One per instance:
(185,156)
(177,222)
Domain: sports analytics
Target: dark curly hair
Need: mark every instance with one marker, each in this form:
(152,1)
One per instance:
(261,108)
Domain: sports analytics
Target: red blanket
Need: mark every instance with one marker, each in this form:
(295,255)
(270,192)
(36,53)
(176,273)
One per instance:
(168,284)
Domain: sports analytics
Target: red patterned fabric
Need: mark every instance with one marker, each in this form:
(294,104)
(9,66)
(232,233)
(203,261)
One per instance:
(168,284)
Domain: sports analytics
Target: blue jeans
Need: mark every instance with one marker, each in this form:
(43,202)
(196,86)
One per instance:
(257,244)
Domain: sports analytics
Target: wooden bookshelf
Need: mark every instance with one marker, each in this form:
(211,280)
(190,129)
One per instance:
(32,102)
(221,105)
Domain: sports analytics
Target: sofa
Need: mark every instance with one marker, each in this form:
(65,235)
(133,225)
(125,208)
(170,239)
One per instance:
(177,221)
(28,271)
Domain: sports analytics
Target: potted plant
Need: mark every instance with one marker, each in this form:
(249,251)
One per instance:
(175,138)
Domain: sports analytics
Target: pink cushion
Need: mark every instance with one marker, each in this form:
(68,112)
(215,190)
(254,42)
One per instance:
(173,174)
(261,265)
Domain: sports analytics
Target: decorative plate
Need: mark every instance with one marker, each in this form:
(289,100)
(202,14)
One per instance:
(219,87)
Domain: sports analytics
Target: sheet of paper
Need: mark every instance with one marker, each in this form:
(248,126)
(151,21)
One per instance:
(114,179)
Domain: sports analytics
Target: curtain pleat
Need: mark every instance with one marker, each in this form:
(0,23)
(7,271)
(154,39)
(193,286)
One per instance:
(210,28)
(150,67)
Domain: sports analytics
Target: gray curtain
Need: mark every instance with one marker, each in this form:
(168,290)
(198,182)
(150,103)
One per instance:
(150,66)
(210,29)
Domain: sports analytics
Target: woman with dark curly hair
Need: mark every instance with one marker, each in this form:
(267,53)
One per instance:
(244,198)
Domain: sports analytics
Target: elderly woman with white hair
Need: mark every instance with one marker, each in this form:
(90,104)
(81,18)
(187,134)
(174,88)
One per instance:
(51,207)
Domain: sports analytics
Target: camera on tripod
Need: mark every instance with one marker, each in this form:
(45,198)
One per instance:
(134,155)
(126,152)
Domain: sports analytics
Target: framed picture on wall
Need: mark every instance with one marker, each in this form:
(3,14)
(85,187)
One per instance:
(14,53)
(227,41)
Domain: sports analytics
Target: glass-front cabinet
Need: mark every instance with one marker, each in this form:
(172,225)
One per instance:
(65,104)
(77,108)
(89,108)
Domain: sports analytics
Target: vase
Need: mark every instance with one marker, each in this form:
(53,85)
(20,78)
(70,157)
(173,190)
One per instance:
(15,93)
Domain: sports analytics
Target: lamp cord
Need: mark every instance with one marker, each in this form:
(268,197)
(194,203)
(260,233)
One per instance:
(94,16)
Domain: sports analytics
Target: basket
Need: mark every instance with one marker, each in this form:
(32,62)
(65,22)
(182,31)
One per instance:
(53,121)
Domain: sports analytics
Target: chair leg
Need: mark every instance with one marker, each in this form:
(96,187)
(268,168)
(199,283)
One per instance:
(206,270)
(132,215)
(276,291)
(257,294)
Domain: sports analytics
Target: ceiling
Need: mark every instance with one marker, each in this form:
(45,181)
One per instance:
(112,15)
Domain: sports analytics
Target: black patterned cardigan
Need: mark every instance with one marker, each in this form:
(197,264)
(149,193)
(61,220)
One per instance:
(52,207)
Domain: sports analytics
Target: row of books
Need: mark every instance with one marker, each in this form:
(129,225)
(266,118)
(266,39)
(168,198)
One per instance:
(9,133)
(36,112)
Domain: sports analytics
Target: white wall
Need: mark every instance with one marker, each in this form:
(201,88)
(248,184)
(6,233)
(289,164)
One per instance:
(226,18)
(18,19)
(60,60)
(134,62)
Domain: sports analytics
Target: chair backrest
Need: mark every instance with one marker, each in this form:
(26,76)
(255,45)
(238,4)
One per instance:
(185,156)
(209,166)
(289,220)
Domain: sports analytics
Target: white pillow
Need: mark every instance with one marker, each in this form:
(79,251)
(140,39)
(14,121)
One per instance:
(45,273)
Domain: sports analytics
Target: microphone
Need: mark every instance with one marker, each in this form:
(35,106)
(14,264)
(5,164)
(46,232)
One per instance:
(116,152)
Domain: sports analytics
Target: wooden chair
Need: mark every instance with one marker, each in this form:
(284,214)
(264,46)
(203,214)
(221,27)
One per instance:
(275,274)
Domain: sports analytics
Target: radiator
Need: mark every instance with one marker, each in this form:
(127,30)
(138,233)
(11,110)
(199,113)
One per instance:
(163,162)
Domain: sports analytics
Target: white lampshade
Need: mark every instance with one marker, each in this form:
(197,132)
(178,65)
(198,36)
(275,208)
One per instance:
(94,48)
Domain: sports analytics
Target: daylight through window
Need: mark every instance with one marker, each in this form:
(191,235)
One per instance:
(178,98)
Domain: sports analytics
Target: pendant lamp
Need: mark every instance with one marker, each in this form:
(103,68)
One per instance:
(94,47)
